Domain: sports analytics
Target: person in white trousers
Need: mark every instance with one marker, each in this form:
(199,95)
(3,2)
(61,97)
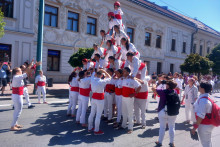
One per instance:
(118,96)
(26,94)
(140,103)
(137,67)
(164,118)
(190,96)
(84,93)
(97,102)
(110,95)
(130,88)
(40,82)
(17,96)
(203,110)
(73,94)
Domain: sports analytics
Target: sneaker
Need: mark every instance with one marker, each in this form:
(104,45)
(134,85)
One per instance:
(171,145)
(143,127)
(129,131)
(158,144)
(91,130)
(99,133)
(45,102)
(31,106)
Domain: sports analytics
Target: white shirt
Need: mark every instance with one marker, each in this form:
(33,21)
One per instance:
(114,22)
(191,93)
(111,51)
(85,83)
(179,84)
(119,36)
(40,78)
(202,106)
(74,82)
(124,51)
(17,80)
(130,83)
(118,83)
(119,11)
(88,65)
(99,51)
(134,65)
(106,38)
(144,87)
(98,85)
(116,65)
(100,64)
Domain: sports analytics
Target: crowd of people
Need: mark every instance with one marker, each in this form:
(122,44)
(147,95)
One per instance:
(115,82)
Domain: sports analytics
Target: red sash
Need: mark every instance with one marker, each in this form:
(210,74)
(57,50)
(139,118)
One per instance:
(98,96)
(105,50)
(76,89)
(136,53)
(118,16)
(108,66)
(126,91)
(142,66)
(40,83)
(110,88)
(84,92)
(118,91)
(206,120)
(177,91)
(119,49)
(142,95)
(94,63)
(18,90)
(123,64)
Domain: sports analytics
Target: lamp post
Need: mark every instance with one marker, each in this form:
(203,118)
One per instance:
(40,37)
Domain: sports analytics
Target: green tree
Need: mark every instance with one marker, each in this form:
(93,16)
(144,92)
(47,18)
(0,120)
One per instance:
(196,64)
(215,58)
(2,24)
(76,59)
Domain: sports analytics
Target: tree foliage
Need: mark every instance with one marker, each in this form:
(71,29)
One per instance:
(2,24)
(76,59)
(215,58)
(197,64)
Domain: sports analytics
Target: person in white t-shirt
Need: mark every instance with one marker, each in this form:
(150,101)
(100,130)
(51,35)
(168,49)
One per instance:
(127,46)
(40,82)
(118,12)
(203,109)
(105,37)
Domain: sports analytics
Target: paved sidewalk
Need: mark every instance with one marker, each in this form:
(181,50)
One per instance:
(58,91)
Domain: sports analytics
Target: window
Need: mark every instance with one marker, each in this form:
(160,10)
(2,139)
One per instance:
(147,38)
(51,16)
(73,22)
(194,48)
(159,66)
(200,51)
(208,50)
(158,41)
(184,47)
(53,60)
(7,7)
(173,45)
(171,68)
(130,33)
(91,26)
(5,52)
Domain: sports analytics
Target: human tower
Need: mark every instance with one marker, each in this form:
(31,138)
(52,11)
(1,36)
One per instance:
(114,77)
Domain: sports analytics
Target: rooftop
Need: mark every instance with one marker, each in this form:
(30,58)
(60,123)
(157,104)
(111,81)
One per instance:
(163,10)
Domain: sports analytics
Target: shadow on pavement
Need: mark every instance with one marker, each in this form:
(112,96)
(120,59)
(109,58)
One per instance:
(65,131)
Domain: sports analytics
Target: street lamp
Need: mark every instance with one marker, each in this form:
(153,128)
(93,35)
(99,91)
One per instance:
(40,37)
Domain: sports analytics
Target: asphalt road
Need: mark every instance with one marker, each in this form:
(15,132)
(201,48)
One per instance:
(47,125)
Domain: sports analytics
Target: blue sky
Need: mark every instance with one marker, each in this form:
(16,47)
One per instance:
(207,11)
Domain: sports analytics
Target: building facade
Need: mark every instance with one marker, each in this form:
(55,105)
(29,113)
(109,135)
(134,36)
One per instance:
(163,37)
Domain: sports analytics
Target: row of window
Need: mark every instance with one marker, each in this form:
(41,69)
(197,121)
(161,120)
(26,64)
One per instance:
(200,50)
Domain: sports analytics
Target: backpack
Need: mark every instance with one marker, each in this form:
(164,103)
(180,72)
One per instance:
(215,113)
(172,103)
